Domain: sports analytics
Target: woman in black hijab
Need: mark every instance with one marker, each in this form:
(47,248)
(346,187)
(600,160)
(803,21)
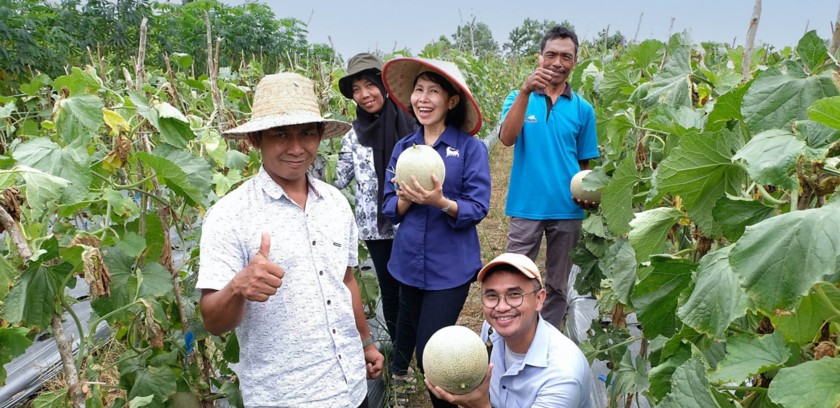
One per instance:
(365,152)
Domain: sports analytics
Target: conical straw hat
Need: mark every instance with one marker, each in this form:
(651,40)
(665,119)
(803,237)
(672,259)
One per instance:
(286,99)
(399,75)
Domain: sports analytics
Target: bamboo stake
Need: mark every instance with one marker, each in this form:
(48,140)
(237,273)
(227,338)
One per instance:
(638,26)
(748,46)
(835,38)
(212,67)
(139,67)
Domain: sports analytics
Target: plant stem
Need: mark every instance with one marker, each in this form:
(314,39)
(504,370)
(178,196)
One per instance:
(767,197)
(80,353)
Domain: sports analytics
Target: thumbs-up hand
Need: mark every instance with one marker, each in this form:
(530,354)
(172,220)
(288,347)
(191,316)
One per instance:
(539,79)
(261,278)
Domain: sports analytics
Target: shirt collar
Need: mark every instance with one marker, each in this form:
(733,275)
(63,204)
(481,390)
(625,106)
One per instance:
(567,92)
(449,136)
(274,190)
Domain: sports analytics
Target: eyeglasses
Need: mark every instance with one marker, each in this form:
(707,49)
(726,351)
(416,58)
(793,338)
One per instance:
(513,299)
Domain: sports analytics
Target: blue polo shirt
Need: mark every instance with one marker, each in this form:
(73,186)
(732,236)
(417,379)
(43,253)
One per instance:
(553,374)
(546,154)
(433,251)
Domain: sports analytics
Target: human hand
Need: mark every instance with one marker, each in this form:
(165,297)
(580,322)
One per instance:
(477,398)
(261,278)
(538,80)
(420,195)
(374,361)
(586,204)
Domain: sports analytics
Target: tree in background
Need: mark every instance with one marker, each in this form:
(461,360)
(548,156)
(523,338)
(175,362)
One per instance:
(476,39)
(525,39)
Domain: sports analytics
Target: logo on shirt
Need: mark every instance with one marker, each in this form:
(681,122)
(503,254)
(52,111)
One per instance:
(450,152)
(531,119)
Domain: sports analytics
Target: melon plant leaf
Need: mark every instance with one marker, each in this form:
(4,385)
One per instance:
(818,137)
(52,399)
(813,384)
(661,374)
(41,189)
(232,394)
(672,85)
(79,117)
(727,107)
(771,157)
(655,297)
(747,355)
(700,170)
(812,50)
(72,164)
(649,230)
(173,125)
(619,265)
(157,381)
(781,258)
(183,60)
(734,214)
(717,298)
(631,376)
(689,387)
(826,111)
(176,169)
(8,274)
(156,281)
(776,99)
(138,402)
(617,82)
(645,54)
(32,301)
(617,197)
(13,342)
(803,324)
(594,224)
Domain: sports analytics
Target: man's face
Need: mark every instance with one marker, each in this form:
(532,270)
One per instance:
(288,151)
(560,57)
(512,322)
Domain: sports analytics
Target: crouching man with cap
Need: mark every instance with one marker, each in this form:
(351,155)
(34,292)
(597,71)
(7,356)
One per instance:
(276,264)
(532,364)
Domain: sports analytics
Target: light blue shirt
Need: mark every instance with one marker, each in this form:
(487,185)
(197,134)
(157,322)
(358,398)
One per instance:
(553,374)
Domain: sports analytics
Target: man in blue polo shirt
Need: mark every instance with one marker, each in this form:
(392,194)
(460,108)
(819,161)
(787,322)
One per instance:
(552,130)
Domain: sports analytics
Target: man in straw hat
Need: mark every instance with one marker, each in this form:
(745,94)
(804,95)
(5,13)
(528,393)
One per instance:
(276,264)
(532,364)
(552,130)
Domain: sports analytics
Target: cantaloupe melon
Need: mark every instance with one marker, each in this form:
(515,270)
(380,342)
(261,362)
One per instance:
(578,191)
(420,161)
(455,359)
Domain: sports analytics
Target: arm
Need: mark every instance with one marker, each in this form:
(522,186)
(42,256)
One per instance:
(514,119)
(373,358)
(477,398)
(565,392)
(222,310)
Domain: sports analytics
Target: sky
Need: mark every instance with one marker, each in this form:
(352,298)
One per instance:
(354,26)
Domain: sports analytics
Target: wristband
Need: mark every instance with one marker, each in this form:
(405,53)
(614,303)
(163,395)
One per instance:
(367,342)
(448,206)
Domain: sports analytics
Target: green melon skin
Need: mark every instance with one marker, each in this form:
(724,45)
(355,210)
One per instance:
(422,162)
(455,359)
(578,192)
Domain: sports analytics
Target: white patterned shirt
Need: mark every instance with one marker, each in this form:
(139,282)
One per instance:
(356,161)
(301,347)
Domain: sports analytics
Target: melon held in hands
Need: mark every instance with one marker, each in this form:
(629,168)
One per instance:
(578,191)
(455,359)
(422,162)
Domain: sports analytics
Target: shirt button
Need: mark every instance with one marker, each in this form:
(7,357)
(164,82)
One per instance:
(504,387)
(329,302)
(320,272)
(333,331)
(313,243)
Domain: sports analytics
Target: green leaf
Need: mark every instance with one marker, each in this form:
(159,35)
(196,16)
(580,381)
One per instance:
(173,125)
(41,189)
(804,324)
(231,352)
(660,375)
(13,342)
(689,387)
(812,50)
(72,164)
(747,355)
(619,265)
(8,274)
(655,297)
(121,203)
(159,382)
(700,170)
(232,394)
(631,376)
(32,301)
(817,136)
(594,224)
(826,111)
(814,384)
(79,117)
(780,258)
(775,99)
(649,230)
(735,214)
(617,197)
(132,244)
(646,53)
(181,59)
(137,402)
(717,299)
(771,158)
(156,281)
(52,399)
(672,85)
(182,172)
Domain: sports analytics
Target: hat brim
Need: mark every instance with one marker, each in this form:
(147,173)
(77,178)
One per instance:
(345,83)
(505,259)
(332,128)
(399,74)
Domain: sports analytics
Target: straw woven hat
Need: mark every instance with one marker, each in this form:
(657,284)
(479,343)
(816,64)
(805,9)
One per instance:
(286,99)
(399,75)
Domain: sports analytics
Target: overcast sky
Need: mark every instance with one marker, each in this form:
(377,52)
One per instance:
(354,26)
